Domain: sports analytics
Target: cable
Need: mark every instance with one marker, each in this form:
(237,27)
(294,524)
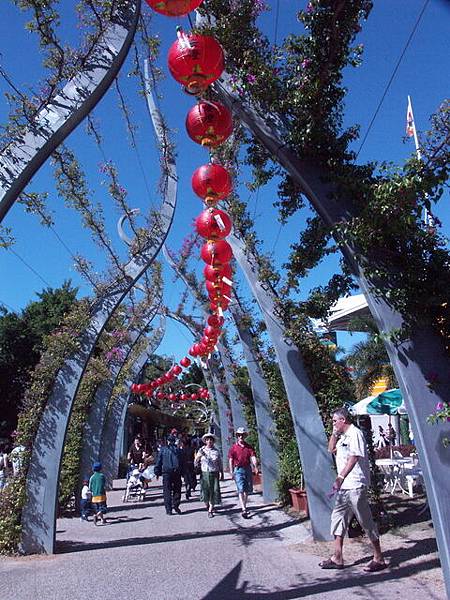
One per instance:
(256,202)
(393,75)
(277,14)
(29,267)
(276,239)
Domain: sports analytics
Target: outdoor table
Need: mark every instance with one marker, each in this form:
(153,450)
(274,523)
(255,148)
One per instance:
(396,468)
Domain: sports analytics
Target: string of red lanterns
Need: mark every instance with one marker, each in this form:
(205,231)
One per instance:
(196,61)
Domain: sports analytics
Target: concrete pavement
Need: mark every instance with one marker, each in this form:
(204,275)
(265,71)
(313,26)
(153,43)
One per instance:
(144,553)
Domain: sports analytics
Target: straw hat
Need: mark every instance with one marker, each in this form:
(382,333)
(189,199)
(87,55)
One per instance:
(208,435)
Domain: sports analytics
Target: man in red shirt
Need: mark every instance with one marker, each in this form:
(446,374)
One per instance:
(242,461)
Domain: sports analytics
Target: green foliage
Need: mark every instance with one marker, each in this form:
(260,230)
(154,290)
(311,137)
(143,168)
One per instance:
(12,498)
(56,347)
(21,341)
(290,469)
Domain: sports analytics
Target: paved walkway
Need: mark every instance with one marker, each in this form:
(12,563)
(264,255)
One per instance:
(144,553)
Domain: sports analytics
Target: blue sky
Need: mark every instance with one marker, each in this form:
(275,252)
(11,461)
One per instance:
(423,73)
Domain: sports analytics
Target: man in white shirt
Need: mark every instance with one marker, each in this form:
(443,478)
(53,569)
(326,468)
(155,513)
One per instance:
(348,444)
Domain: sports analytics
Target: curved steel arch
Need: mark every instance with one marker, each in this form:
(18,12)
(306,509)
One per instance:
(94,424)
(317,463)
(112,433)
(423,351)
(268,446)
(39,512)
(21,158)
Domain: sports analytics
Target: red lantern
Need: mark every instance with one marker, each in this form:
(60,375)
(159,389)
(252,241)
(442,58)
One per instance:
(216,252)
(185,362)
(195,61)
(223,304)
(212,183)
(176,369)
(174,8)
(215,321)
(194,396)
(148,393)
(160,395)
(193,351)
(133,388)
(184,397)
(172,396)
(211,331)
(212,273)
(213,224)
(209,123)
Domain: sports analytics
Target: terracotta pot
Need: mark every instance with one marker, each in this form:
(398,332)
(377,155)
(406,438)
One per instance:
(299,500)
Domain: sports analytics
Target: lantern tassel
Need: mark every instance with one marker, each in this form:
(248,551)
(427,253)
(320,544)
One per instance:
(227,281)
(218,219)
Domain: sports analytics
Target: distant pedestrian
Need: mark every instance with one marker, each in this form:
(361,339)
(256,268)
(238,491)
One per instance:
(348,444)
(85,501)
(136,453)
(4,467)
(211,464)
(382,438)
(242,461)
(97,485)
(16,459)
(392,435)
(170,464)
(190,479)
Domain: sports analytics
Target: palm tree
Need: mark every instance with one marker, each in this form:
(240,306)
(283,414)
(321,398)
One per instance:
(369,359)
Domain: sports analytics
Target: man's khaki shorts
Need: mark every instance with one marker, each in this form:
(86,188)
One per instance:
(349,503)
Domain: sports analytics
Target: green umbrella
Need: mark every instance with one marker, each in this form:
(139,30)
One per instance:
(387,403)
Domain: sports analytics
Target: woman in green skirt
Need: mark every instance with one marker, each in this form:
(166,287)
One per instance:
(210,461)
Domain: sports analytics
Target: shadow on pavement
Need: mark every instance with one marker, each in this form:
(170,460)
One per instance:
(246,535)
(228,588)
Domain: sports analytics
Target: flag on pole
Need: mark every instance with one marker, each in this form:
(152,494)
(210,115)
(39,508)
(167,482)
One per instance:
(410,126)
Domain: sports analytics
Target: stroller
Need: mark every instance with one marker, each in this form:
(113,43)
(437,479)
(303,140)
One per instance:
(135,488)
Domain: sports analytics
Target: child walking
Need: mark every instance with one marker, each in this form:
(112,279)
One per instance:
(85,502)
(97,485)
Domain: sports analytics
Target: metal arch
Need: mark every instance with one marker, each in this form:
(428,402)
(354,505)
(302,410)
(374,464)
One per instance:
(120,230)
(39,512)
(268,445)
(112,433)
(21,158)
(94,424)
(413,358)
(317,463)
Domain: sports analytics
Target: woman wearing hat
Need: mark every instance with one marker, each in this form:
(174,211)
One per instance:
(210,461)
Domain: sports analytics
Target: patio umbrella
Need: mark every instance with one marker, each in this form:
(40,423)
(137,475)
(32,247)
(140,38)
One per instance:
(389,403)
(386,403)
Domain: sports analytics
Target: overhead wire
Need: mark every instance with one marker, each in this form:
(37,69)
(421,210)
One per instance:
(394,72)
(16,254)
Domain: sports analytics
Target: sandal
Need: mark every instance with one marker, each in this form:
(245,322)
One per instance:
(330,564)
(245,515)
(210,514)
(375,566)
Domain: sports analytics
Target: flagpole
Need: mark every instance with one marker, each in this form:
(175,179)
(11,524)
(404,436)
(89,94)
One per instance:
(411,127)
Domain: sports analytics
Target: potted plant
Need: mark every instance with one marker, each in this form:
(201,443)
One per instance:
(298,498)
